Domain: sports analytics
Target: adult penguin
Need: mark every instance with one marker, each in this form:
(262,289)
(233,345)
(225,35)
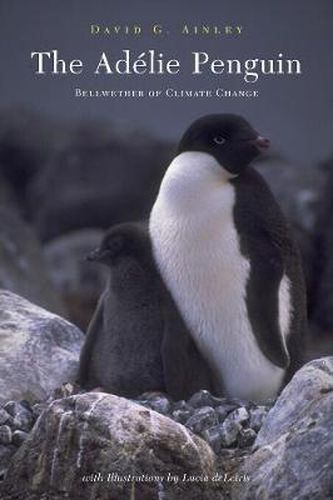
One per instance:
(229,259)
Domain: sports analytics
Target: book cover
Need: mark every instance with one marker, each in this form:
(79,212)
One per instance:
(166,274)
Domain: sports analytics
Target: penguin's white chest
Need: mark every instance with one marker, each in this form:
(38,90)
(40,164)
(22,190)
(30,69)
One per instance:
(196,246)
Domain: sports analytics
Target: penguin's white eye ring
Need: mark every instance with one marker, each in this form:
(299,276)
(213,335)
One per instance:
(220,140)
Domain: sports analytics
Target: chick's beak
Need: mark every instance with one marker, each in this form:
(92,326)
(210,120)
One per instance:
(95,255)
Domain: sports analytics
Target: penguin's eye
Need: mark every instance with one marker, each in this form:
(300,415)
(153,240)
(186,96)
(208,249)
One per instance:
(219,139)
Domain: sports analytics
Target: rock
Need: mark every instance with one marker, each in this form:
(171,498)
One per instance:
(97,181)
(63,391)
(161,405)
(257,417)
(181,416)
(79,282)
(308,386)
(224,410)
(4,416)
(5,434)
(202,419)
(214,437)
(182,405)
(38,350)
(232,426)
(243,418)
(203,398)
(19,437)
(6,452)
(38,408)
(82,446)
(230,430)
(240,416)
(157,401)
(22,266)
(246,437)
(294,448)
(22,416)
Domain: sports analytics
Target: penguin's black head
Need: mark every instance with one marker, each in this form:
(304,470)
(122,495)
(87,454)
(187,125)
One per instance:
(123,240)
(229,138)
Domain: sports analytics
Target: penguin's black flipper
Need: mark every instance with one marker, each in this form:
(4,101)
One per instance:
(267,270)
(95,326)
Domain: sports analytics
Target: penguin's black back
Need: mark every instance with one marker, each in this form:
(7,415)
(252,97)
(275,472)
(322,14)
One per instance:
(267,241)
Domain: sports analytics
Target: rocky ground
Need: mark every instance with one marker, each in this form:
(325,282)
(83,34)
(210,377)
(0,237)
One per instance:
(225,424)
(57,441)
(95,445)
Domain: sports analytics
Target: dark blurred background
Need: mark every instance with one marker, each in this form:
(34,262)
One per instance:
(70,167)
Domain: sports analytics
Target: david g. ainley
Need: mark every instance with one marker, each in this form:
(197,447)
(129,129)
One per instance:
(153,62)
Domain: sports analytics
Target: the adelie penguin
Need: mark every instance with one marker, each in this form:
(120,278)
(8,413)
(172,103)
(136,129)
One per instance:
(228,257)
(137,341)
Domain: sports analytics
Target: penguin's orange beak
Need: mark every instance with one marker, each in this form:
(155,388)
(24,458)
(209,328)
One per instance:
(262,143)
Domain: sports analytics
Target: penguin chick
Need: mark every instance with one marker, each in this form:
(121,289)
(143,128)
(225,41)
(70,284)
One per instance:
(229,259)
(137,341)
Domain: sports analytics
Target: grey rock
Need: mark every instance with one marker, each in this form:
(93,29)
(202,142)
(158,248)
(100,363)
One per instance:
(203,398)
(161,405)
(257,417)
(5,434)
(157,401)
(181,416)
(11,407)
(23,421)
(244,403)
(202,419)
(293,456)
(19,437)
(6,452)
(232,425)
(110,435)
(38,408)
(182,405)
(21,414)
(77,281)
(28,332)
(230,430)
(22,265)
(246,437)
(224,410)
(308,386)
(63,391)
(214,437)
(4,416)
(240,416)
